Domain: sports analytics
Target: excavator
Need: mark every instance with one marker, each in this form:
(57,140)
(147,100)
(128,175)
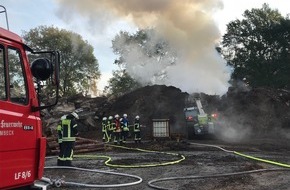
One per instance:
(198,122)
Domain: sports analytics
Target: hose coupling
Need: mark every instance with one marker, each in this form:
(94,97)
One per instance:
(58,182)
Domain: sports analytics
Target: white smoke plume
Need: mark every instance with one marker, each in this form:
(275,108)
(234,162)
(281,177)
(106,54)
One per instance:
(187,25)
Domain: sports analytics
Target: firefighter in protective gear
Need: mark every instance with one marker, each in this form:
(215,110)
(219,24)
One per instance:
(59,137)
(69,132)
(110,127)
(59,131)
(125,128)
(105,130)
(121,133)
(137,130)
(117,129)
(59,140)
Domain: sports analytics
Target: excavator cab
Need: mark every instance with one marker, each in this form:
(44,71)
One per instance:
(198,122)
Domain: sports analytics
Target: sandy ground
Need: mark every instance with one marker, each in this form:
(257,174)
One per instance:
(199,161)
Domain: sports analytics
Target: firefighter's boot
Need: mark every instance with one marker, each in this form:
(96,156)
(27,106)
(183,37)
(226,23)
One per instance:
(69,163)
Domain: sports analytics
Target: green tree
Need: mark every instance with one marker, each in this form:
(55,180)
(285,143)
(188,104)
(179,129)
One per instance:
(258,48)
(149,43)
(121,83)
(78,65)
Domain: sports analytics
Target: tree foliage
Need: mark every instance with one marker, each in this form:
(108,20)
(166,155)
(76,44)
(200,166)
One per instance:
(258,48)
(78,66)
(149,42)
(121,83)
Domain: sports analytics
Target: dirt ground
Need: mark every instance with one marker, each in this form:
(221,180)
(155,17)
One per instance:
(199,161)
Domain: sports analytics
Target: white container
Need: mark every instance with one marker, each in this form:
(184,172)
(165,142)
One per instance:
(161,128)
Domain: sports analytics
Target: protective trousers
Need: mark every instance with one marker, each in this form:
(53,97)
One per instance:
(105,136)
(66,154)
(125,133)
(117,137)
(137,136)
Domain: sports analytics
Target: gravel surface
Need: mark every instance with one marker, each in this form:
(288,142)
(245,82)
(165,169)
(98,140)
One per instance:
(199,161)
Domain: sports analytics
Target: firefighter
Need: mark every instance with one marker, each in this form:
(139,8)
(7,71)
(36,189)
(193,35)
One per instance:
(69,132)
(105,130)
(125,128)
(59,137)
(137,130)
(117,129)
(59,140)
(110,127)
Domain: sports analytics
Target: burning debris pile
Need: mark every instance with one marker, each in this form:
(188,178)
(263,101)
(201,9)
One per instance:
(242,114)
(150,102)
(256,112)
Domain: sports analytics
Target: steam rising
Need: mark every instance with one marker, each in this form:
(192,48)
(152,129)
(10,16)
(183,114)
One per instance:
(186,24)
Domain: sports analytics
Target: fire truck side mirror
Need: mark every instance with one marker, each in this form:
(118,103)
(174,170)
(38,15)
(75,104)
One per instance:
(41,68)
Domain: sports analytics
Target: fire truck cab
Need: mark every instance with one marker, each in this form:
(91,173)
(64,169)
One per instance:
(22,145)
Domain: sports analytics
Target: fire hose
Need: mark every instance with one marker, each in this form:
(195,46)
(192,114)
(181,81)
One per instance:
(60,182)
(286,167)
(146,165)
(109,159)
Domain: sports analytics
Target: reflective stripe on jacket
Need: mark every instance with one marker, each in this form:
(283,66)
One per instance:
(69,130)
(136,127)
(104,126)
(109,125)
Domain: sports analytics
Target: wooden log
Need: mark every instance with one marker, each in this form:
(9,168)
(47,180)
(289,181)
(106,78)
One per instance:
(87,140)
(53,145)
(87,146)
(82,145)
(88,150)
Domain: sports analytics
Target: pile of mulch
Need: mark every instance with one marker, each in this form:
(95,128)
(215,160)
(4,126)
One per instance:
(260,109)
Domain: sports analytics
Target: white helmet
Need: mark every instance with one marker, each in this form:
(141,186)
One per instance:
(75,115)
(117,116)
(110,117)
(104,118)
(63,117)
(137,117)
(125,115)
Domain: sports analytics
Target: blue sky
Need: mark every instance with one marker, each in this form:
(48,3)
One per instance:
(24,15)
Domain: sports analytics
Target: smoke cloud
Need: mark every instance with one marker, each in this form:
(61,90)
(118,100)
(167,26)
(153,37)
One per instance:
(187,25)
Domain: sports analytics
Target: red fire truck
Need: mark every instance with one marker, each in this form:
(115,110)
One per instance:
(22,89)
